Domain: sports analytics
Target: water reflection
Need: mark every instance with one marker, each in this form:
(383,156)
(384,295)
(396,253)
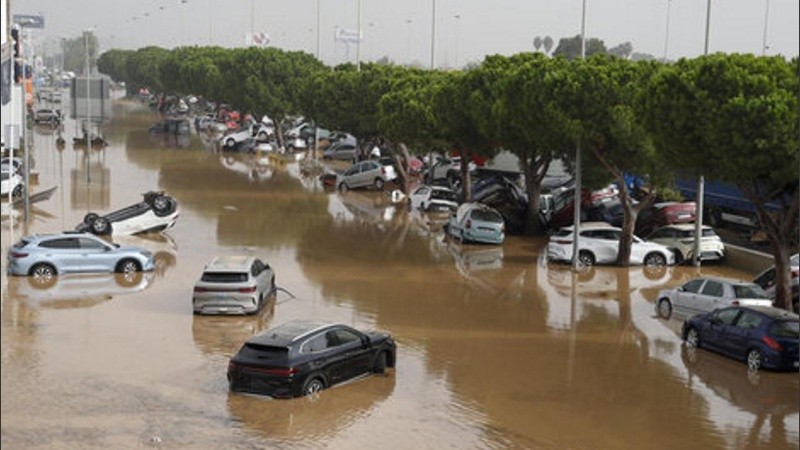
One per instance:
(313,420)
(77,290)
(224,335)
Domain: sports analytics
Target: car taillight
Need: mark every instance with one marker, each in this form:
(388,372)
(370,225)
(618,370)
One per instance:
(735,303)
(562,241)
(383,170)
(200,289)
(795,273)
(772,343)
(18,255)
(281,372)
(468,225)
(247,290)
(231,365)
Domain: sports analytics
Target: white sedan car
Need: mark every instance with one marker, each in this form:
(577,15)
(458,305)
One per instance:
(707,294)
(599,244)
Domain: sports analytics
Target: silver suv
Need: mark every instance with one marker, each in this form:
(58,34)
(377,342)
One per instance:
(233,285)
(48,255)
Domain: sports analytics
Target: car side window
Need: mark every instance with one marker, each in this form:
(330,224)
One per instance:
(713,289)
(693,286)
(91,244)
(62,243)
(343,336)
(726,316)
(748,320)
(317,343)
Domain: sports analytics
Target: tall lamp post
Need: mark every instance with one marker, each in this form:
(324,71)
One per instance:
(576,218)
(766,22)
(698,222)
(457,17)
(433,35)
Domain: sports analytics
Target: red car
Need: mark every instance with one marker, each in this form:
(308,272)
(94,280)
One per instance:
(666,213)
(564,205)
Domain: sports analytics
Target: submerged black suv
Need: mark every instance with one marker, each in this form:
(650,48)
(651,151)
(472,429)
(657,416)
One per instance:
(303,357)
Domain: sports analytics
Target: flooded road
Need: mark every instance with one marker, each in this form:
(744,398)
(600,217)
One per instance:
(496,348)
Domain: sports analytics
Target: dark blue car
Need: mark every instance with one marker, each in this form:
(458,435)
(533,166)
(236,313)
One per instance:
(763,336)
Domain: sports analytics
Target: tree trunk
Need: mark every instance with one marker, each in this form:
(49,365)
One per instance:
(780,230)
(402,167)
(534,169)
(628,222)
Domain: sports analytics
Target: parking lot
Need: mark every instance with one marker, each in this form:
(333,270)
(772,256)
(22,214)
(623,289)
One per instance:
(496,348)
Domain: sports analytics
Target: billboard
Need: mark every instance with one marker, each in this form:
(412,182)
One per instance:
(91,97)
(29,20)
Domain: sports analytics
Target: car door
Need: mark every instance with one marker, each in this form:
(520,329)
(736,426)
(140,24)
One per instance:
(716,333)
(734,338)
(710,297)
(96,255)
(685,296)
(605,244)
(64,253)
(353,356)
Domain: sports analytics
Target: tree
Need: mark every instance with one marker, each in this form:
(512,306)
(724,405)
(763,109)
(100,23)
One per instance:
(547,42)
(623,50)
(734,118)
(570,48)
(537,43)
(601,92)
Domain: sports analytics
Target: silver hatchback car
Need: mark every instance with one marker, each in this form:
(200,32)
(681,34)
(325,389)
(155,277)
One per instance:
(366,173)
(48,255)
(233,285)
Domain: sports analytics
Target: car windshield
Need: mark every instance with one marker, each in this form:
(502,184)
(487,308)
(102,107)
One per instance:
(786,329)
(224,277)
(749,291)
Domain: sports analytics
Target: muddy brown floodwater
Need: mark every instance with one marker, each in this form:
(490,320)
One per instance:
(496,348)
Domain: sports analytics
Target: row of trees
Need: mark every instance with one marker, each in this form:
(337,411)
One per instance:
(729,117)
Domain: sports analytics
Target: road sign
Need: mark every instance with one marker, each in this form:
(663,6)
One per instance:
(29,20)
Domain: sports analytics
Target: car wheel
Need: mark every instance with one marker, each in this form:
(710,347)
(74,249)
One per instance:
(655,259)
(664,308)
(379,184)
(230,143)
(344,187)
(586,258)
(313,386)
(44,275)
(18,191)
(163,205)
(128,266)
(89,219)
(380,363)
(101,226)
(693,338)
(754,360)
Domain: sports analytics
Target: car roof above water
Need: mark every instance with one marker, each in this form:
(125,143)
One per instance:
(231,263)
(284,335)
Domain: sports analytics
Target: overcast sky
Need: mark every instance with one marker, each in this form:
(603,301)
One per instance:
(466,30)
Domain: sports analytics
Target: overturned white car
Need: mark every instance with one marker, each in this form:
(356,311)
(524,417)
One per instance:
(156,212)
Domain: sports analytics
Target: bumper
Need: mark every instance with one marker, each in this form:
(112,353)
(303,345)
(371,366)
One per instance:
(224,306)
(252,382)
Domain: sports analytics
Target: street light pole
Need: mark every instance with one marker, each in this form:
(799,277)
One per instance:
(457,17)
(766,22)
(666,35)
(576,217)
(318,35)
(433,35)
(358,42)
(701,182)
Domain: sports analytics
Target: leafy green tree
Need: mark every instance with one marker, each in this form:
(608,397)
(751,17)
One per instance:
(601,92)
(734,118)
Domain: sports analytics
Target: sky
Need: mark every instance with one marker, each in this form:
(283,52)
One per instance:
(465,30)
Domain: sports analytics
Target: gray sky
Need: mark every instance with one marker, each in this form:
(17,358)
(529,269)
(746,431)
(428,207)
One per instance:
(401,29)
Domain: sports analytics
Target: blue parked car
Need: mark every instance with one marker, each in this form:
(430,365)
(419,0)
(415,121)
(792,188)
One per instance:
(47,255)
(763,336)
(476,222)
